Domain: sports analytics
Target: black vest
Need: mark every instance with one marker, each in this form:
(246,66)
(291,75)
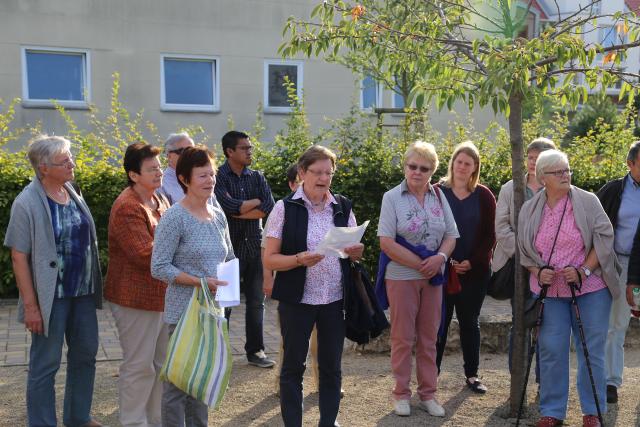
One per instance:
(289,285)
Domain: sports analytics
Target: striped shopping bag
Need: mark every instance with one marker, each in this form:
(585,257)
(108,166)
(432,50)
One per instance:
(199,355)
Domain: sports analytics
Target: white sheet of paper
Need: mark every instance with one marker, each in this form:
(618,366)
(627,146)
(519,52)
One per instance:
(339,238)
(229,295)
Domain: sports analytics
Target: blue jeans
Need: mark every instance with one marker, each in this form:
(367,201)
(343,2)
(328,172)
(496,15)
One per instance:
(73,319)
(558,324)
(618,324)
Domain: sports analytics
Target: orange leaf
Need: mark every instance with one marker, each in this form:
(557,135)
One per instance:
(609,57)
(357,11)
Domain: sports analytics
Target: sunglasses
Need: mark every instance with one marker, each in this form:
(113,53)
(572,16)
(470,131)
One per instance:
(422,169)
(178,151)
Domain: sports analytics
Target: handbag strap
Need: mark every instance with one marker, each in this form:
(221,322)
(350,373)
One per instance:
(558,231)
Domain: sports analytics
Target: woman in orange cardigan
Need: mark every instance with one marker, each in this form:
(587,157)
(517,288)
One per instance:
(137,300)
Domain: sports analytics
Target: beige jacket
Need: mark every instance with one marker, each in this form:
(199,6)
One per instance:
(505,224)
(594,226)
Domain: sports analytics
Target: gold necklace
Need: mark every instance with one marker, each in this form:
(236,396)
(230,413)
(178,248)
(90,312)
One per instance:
(61,193)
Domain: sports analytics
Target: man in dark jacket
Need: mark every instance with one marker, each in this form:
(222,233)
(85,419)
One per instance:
(620,199)
(633,276)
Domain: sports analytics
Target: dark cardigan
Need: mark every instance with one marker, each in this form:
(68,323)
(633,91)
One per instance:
(634,260)
(485,235)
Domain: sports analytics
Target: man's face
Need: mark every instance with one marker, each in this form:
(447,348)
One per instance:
(174,154)
(242,154)
(634,168)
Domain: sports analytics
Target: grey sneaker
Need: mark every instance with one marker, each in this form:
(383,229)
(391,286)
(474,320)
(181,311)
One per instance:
(260,360)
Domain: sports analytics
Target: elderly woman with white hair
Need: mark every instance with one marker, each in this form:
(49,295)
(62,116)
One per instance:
(54,252)
(566,239)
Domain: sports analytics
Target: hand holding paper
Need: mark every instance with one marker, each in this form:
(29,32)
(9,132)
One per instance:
(229,295)
(339,238)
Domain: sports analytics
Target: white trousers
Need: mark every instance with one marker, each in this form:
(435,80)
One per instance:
(143,338)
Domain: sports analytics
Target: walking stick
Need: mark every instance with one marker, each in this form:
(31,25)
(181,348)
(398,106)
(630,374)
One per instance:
(574,302)
(532,350)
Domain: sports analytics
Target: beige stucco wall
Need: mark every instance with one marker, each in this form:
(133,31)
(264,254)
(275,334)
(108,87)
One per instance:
(128,36)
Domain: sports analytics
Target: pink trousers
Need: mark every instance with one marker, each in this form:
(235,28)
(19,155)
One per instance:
(416,308)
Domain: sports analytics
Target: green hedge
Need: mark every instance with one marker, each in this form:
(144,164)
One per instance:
(368,158)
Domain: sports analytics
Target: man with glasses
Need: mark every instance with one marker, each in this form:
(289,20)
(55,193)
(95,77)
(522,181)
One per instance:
(246,198)
(173,147)
(620,199)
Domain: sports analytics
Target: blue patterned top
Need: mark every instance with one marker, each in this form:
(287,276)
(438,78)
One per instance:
(73,245)
(183,243)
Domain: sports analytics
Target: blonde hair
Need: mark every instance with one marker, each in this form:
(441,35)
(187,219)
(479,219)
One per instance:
(468,148)
(547,159)
(424,150)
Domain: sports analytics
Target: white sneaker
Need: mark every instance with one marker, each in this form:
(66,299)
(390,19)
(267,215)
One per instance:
(401,407)
(432,407)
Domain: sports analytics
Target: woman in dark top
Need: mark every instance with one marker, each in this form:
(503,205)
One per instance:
(474,209)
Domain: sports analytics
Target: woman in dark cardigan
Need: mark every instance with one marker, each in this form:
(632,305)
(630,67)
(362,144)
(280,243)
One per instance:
(474,209)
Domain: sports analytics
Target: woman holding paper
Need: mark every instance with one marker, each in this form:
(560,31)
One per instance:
(417,233)
(137,300)
(309,286)
(191,239)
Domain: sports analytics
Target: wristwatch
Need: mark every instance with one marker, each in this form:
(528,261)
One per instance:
(586,271)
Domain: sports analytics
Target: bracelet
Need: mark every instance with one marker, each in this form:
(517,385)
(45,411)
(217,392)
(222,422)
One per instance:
(444,256)
(298,260)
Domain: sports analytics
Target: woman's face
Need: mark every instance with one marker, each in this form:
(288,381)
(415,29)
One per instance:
(150,176)
(532,158)
(203,180)
(317,177)
(557,178)
(464,167)
(59,169)
(417,171)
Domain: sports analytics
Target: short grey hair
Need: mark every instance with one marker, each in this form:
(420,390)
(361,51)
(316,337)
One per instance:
(173,139)
(549,158)
(541,144)
(634,151)
(43,148)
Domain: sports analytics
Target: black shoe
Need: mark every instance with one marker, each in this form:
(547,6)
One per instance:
(612,394)
(260,360)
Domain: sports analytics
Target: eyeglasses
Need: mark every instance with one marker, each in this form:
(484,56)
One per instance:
(69,163)
(560,173)
(178,151)
(414,167)
(320,173)
(244,147)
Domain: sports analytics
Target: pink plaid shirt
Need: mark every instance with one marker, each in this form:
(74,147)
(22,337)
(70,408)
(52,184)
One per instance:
(569,250)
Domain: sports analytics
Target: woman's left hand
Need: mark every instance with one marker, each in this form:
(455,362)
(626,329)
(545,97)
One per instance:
(570,274)
(431,266)
(354,251)
(461,267)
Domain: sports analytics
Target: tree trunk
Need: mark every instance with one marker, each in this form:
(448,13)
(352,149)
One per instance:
(518,361)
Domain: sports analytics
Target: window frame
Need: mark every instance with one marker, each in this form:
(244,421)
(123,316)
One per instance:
(265,84)
(48,103)
(193,108)
(379,95)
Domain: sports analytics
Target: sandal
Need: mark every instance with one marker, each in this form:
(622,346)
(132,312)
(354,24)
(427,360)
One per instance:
(548,422)
(476,386)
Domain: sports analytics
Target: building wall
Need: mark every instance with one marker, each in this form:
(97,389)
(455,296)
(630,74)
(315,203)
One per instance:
(128,37)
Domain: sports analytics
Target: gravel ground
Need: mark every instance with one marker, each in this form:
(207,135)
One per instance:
(250,400)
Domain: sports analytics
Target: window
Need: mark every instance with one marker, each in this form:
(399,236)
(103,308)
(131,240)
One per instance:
(55,74)
(398,100)
(275,93)
(370,94)
(189,83)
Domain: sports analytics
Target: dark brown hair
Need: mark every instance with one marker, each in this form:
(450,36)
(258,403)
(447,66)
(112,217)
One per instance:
(137,153)
(193,157)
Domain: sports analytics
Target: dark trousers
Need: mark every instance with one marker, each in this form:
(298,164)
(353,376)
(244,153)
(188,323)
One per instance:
(528,334)
(467,305)
(296,323)
(251,278)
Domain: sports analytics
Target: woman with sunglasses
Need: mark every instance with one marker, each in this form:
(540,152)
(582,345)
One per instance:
(474,209)
(565,239)
(417,233)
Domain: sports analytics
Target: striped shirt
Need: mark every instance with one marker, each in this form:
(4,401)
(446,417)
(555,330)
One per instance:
(232,190)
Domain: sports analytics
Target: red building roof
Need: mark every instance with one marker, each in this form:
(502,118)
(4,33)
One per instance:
(536,6)
(633,5)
